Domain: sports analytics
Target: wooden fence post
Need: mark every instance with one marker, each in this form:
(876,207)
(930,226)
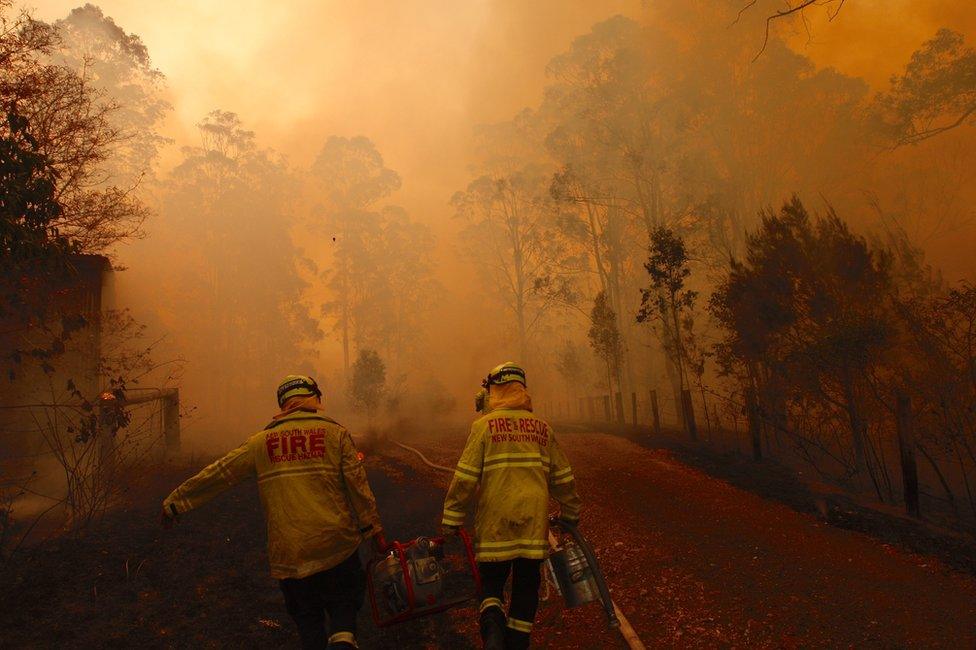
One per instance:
(906,447)
(633,407)
(655,413)
(171,421)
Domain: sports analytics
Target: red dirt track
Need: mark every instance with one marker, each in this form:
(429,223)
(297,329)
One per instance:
(695,562)
(722,566)
(691,560)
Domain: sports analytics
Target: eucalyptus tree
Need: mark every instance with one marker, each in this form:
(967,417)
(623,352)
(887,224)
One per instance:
(232,269)
(508,224)
(117,66)
(351,179)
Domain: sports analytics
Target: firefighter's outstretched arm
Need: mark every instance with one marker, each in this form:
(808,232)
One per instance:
(464,485)
(212,480)
(357,487)
(562,483)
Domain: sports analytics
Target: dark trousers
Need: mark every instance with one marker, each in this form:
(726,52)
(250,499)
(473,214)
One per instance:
(338,591)
(526,578)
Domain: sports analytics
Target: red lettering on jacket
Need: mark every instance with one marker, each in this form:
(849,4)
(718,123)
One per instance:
(272,443)
(316,442)
(295,444)
(518,430)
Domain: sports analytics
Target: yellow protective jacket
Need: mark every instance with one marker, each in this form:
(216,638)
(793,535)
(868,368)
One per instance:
(514,457)
(317,502)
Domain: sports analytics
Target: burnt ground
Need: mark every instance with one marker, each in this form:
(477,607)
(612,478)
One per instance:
(832,504)
(202,584)
(693,561)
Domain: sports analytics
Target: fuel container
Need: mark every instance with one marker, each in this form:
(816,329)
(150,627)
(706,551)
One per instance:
(577,573)
(424,576)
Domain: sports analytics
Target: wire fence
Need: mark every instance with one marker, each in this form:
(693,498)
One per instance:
(75,459)
(722,422)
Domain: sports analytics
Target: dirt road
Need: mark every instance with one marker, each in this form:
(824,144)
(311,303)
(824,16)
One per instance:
(693,562)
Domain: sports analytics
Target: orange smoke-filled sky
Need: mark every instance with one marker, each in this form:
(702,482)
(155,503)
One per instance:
(416,76)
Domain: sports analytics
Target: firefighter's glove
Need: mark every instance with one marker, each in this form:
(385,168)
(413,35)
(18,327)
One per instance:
(168,516)
(449,531)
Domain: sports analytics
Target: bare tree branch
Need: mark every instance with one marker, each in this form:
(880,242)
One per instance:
(790,10)
(744,9)
(925,134)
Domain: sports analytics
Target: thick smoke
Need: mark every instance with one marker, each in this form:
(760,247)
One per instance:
(420,80)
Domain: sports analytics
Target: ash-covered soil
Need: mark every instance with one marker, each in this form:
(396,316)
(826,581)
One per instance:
(692,561)
(203,584)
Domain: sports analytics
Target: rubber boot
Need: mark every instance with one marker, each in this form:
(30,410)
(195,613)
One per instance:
(492,626)
(515,640)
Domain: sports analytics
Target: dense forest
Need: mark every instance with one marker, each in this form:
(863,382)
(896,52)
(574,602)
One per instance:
(691,208)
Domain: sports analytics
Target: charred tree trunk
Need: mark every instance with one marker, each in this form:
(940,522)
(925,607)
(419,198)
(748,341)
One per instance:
(689,415)
(906,448)
(859,428)
(777,411)
(675,382)
(755,428)
(623,370)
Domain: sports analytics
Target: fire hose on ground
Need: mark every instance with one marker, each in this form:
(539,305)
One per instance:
(616,618)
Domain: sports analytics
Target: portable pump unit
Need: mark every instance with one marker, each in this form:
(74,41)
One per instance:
(576,572)
(421,577)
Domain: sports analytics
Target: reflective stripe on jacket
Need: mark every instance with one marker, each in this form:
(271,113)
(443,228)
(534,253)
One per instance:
(515,459)
(317,502)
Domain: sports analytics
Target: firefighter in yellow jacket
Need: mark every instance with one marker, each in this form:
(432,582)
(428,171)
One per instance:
(514,457)
(318,507)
